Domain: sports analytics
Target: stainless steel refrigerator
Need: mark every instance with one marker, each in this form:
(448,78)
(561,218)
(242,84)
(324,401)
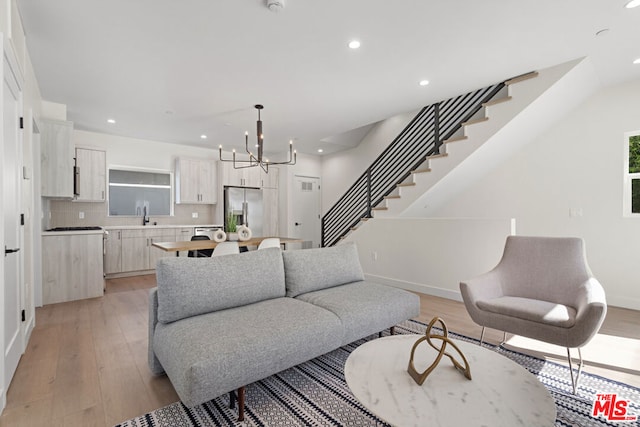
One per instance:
(246,205)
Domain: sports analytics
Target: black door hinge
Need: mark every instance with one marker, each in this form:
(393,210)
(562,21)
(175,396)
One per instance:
(21,219)
(21,122)
(24,316)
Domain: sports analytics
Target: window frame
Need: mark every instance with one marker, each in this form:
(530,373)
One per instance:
(628,178)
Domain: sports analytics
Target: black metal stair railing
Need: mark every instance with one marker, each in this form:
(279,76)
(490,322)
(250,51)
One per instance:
(421,138)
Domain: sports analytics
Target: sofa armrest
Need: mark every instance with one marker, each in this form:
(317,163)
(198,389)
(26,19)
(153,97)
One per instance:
(591,309)
(483,287)
(154,364)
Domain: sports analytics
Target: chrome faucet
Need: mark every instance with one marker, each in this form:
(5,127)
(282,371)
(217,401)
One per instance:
(145,218)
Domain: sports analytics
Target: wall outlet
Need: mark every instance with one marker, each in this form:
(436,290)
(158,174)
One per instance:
(374,255)
(575,212)
(194,214)
(81,215)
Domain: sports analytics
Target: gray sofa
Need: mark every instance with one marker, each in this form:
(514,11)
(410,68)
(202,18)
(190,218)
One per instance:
(218,324)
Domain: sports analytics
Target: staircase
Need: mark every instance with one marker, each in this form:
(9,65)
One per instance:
(439,149)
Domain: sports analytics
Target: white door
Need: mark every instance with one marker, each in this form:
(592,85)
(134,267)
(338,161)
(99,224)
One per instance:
(12,234)
(306,210)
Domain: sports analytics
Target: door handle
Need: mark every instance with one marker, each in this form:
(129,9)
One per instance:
(10,251)
(298,223)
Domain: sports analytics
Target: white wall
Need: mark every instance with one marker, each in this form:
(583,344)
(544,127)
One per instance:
(132,152)
(430,255)
(341,169)
(577,164)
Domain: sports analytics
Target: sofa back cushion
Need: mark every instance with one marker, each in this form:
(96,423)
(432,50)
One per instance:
(310,270)
(192,286)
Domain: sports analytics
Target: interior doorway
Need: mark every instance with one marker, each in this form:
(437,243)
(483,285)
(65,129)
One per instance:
(306,210)
(12,257)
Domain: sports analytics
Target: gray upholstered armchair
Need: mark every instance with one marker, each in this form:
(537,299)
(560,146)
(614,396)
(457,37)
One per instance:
(542,288)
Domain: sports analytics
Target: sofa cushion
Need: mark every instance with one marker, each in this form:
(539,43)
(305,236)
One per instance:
(208,355)
(365,307)
(534,310)
(309,270)
(191,286)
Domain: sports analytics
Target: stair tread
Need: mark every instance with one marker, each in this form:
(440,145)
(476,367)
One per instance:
(407,184)
(496,101)
(474,121)
(380,208)
(391,197)
(521,78)
(457,138)
(425,170)
(435,156)
(365,219)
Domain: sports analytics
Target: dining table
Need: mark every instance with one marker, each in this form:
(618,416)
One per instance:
(194,245)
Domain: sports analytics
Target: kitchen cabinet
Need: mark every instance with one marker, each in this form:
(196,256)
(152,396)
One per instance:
(162,235)
(56,156)
(72,267)
(271,179)
(137,252)
(196,181)
(270,202)
(93,175)
(113,252)
(248,177)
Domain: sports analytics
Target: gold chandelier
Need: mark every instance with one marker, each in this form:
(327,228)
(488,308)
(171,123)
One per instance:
(258,160)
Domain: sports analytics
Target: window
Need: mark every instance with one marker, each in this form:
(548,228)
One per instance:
(134,193)
(632,174)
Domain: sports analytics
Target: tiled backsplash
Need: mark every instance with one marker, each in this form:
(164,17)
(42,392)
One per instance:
(65,213)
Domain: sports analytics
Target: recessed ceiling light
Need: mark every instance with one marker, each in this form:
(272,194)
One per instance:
(424,82)
(354,44)
(632,4)
(203,136)
(111,121)
(637,61)
(320,150)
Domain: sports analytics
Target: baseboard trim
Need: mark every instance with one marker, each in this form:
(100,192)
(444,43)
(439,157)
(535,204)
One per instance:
(416,287)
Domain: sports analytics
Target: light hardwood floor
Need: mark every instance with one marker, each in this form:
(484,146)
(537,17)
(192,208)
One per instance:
(86,362)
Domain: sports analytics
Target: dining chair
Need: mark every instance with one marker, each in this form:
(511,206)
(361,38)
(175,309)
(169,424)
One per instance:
(226,248)
(271,242)
(200,252)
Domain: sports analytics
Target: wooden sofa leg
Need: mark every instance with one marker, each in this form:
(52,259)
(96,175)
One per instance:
(392,330)
(241,391)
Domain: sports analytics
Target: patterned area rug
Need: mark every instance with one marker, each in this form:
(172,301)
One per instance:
(315,394)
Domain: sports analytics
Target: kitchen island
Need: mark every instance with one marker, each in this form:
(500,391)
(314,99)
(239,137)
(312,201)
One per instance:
(72,265)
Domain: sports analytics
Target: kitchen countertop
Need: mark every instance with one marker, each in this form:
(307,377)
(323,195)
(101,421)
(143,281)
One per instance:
(142,227)
(123,227)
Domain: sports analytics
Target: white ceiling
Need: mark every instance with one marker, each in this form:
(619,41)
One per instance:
(170,70)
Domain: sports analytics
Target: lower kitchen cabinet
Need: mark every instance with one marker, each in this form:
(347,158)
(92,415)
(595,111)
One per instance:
(72,267)
(113,252)
(130,250)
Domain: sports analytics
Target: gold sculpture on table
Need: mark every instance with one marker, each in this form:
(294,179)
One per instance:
(420,377)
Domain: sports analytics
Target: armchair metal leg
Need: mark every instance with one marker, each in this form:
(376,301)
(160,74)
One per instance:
(576,380)
(482,336)
(504,339)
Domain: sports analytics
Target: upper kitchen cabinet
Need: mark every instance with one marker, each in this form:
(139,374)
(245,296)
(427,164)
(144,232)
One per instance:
(196,181)
(271,179)
(248,177)
(57,152)
(92,169)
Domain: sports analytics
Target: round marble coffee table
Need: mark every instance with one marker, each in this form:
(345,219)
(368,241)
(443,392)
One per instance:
(501,393)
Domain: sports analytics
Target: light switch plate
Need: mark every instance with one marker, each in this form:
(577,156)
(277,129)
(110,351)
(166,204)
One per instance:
(194,214)
(81,215)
